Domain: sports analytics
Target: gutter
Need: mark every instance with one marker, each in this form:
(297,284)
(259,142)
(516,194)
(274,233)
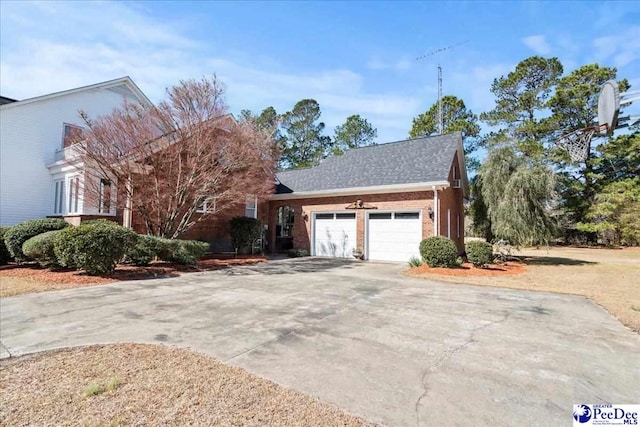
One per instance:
(355,191)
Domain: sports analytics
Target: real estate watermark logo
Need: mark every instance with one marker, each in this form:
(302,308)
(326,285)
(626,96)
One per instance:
(605,415)
(581,413)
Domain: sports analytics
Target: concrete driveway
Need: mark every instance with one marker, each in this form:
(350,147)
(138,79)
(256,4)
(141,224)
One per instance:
(396,350)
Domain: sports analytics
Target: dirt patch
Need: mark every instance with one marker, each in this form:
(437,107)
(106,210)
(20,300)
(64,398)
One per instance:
(610,277)
(134,384)
(22,279)
(468,270)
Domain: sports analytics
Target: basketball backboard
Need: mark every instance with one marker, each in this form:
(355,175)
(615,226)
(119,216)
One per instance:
(609,106)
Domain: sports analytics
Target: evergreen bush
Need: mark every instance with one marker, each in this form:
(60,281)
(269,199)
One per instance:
(439,252)
(95,247)
(245,231)
(479,253)
(5,255)
(184,252)
(41,249)
(15,236)
(145,249)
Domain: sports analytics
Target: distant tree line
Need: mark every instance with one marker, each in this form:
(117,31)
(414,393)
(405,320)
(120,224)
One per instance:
(527,190)
(299,135)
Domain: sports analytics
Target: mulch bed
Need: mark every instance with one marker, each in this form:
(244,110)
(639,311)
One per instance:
(467,269)
(125,272)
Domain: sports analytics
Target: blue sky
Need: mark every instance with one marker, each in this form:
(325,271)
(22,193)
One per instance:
(352,57)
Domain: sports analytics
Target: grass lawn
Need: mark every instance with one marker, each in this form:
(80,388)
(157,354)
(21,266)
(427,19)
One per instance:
(134,384)
(610,277)
(24,279)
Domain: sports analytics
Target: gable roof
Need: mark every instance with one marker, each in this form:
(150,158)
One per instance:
(410,164)
(117,85)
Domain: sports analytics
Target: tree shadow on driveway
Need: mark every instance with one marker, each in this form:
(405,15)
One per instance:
(293,266)
(547,260)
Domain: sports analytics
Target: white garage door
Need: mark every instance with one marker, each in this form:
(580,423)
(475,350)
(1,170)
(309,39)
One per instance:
(393,236)
(334,234)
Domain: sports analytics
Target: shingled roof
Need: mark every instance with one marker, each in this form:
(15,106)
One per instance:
(413,161)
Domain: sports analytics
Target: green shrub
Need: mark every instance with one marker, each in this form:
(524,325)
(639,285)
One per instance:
(415,262)
(184,252)
(439,252)
(5,255)
(479,253)
(95,247)
(41,248)
(145,250)
(245,231)
(15,237)
(297,253)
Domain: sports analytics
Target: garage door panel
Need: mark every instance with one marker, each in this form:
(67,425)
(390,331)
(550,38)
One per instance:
(394,236)
(334,237)
(393,233)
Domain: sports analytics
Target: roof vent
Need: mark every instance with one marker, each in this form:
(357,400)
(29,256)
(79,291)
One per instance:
(457,183)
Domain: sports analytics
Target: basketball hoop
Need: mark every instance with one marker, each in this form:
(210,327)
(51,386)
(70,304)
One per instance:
(578,142)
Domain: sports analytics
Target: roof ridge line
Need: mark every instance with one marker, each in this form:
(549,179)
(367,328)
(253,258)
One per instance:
(404,140)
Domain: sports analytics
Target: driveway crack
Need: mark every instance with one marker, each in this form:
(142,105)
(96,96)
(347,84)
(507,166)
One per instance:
(447,355)
(2,346)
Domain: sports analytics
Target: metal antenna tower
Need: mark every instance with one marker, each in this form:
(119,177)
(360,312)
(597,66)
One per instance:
(437,52)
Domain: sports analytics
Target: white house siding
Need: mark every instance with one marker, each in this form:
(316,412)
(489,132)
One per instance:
(30,134)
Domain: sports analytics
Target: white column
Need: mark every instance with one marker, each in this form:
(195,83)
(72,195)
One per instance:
(448,223)
(126,215)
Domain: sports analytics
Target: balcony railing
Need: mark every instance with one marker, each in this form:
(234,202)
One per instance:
(67,153)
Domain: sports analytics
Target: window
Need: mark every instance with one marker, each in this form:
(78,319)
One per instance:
(104,205)
(72,135)
(206,205)
(324,216)
(407,215)
(58,198)
(380,215)
(251,210)
(74,190)
(348,215)
(284,226)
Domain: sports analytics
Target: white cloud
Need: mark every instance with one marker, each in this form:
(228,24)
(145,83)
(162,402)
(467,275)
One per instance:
(377,63)
(538,44)
(474,85)
(403,64)
(622,48)
(93,42)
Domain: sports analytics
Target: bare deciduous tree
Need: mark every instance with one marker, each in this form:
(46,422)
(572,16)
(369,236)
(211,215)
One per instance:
(177,163)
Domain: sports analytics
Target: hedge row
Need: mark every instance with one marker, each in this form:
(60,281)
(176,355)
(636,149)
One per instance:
(147,248)
(93,246)
(442,252)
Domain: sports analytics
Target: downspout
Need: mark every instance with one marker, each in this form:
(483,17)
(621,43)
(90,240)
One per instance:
(436,210)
